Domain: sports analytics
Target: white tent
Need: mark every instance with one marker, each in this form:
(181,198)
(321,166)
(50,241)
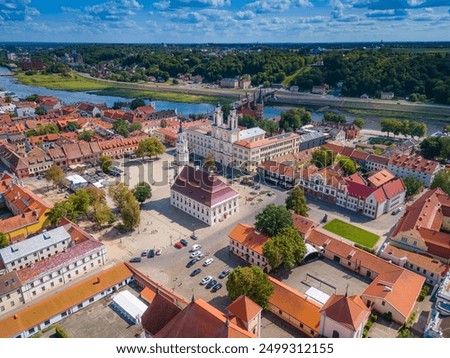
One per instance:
(129,305)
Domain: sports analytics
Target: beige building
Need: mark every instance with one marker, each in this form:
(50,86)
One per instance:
(248,155)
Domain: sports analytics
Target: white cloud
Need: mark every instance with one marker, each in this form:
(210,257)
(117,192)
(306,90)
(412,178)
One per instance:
(269,5)
(303,3)
(162,5)
(416,2)
(245,15)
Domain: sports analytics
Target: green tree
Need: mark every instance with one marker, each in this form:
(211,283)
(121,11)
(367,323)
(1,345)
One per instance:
(72,126)
(413,185)
(286,249)
(296,201)
(142,191)
(102,214)
(61,209)
(39,111)
(294,118)
(269,126)
(119,193)
(359,122)
(431,147)
(96,195)
(418,129)
(80,202)
(105,163)
(4,241)
(130,213)
(251,282)
(136,126)
(248,121)
(333,117)
(135,103)
(118,105)
(86,135)
(150,147)
(122,127)
(442,180)
(54,174)
(32,98)
(347,164)
(273,219)
(208,162)
(323,158)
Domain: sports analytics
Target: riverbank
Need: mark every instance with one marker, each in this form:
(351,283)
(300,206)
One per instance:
(73,82)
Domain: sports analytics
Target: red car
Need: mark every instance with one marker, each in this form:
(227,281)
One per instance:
(179,245)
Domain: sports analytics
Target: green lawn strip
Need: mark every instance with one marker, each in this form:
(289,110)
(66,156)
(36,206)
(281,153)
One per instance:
(288,79)
(352,233)
(71,82)
(161,96)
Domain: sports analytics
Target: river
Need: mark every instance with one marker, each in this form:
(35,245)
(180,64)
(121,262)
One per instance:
(11,84)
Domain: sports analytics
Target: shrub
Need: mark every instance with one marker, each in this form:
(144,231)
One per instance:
(423,293)
(373,317)
(60,333)
(365,248)
(387,316)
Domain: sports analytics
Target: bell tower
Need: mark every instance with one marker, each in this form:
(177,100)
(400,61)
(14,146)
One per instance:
(182,151)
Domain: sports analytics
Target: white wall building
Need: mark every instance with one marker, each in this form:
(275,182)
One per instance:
(203,196)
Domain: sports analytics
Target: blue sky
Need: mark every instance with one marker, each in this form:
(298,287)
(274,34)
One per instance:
(188,21)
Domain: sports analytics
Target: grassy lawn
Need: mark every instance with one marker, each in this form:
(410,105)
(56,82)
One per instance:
(352,233)
(75,82)
(71,82)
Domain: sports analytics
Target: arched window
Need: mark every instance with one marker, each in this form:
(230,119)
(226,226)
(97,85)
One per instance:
(335,334)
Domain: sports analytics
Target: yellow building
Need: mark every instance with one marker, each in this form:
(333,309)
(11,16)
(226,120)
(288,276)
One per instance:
(29,213)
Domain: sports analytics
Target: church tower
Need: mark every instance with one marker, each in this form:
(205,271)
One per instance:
(233,119)
(182,151)
(260,107)
(218,116)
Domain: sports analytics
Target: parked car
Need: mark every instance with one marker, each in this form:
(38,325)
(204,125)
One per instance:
(205,280)
(144,253)
(194,236)
(184,242)
(200,256)
(398,210)
(211,283)
(224,273)
(196,248)
(196,272)
(208,262)
(216,287)
(179,245)
(191,263)
(136,259)
(194,254)
(151,253)
(158,252)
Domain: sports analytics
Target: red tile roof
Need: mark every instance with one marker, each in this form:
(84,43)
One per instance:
(201,320)
(303,224)
(244,308)
(249,237)
(394,188)
(415,162)
(159,313)
(348,311)
(380,178)
(202,187)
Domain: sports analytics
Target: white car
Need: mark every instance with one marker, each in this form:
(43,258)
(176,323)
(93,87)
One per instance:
(205,280)
(200,256)
(208,262)
(196,247)
(195,254)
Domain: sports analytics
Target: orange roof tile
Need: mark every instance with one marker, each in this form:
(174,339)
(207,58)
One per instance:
(60,301)
(148,295)
(249,237)
(348,311)
(303,224)
(201,320)
(295,304)
(380,178)
(160,312)
(244,308)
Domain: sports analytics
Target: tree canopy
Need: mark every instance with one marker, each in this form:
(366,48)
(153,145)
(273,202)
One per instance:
(105,163)
(4,241)
(273,219)
(150,147)
(442,180)
(142,191)
(405,127)
(437,148)
(54,174)
(359,122)
(269,126)
(413,185)
(127,204)
(293,119)
(251,282)
(286,249)
(296,201)
(137,102)
(323,158)
(334,117)
(248,121)
(347,164)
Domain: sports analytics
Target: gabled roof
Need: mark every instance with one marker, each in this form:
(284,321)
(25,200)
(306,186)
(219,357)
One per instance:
(201,320)
(202,187)
(159,313)
(380,178)
(248,236)
(244,308)
(394,188)
(348,311)
(303,224)
(295,304)
(399,287)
